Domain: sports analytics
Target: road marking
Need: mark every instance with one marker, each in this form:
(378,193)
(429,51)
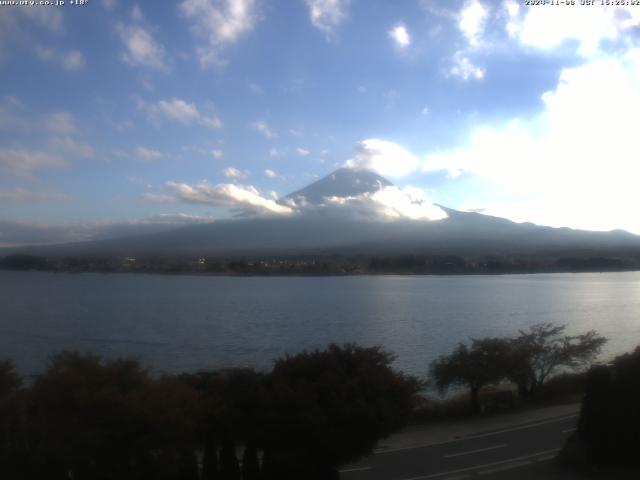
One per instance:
(355,469)
(479,435)
(522,427)
(544,458)
(505,467)
(469,452)
(569,430)
(515,461)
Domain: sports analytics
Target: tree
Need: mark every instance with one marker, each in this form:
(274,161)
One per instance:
(10,381)
(108,420)
(231,409)
(330,407)
(609,425)
(483,363)
(536,354)
(10,405)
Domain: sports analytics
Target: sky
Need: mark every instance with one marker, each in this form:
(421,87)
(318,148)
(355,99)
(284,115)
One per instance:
(116,114)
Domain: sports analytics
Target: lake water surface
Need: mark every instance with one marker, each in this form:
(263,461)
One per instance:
(177,323)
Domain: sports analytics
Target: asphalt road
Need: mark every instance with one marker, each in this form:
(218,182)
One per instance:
(487,454)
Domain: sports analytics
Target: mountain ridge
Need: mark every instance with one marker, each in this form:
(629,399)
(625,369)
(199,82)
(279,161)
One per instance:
(467,234)
(343,182)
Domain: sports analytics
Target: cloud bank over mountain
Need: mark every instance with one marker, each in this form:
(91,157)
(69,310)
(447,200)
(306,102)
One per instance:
(345,195)
(566,165)
(383,157)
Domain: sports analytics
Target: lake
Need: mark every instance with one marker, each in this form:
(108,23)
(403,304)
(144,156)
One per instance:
(178,323)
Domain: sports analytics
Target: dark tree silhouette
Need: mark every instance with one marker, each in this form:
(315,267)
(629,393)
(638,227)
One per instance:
(250,463)
(609,427)
(230,412)
(10,383)
(93,419)
(331,407)
(483,363)
(542,350)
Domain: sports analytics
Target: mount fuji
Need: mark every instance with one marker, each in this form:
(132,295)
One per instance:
(349,212)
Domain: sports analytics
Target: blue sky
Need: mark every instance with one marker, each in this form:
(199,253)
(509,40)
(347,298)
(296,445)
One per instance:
(119,112)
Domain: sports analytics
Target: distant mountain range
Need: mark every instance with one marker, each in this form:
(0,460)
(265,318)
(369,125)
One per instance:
(470,235)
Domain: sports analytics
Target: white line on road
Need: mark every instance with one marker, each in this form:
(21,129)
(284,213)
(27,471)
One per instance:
(521,427)
(544,458)
(502,468)
(516,461)
(355,469)
(469,452)
(479,435)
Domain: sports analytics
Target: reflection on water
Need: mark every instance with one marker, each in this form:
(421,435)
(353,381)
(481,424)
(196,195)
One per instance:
(176,323)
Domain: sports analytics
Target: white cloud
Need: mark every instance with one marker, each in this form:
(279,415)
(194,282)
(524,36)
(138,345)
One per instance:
(274,152)
(389,203)
(218,23)
(61,123)
(472,20)
(212,121)
(271,174)
(573,165)
(217,153)
(73,60)
(384,204)
(303,152)
(140,47)
(175,109)
(548,28)
(513,24)
(158,198)
(400,36)
(24,162)
(147,154)
(18,24)
(264,129)
(181,111)
(138,181)
(327,14)
(45,53)
(227,195)
(12,116)
(384,157)
(172,219)
(463,67)
(49,18)
(73,148)
(136,13)
(231,172)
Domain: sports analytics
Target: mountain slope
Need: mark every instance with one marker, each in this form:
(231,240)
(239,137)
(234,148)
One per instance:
(461,233)
(344,182)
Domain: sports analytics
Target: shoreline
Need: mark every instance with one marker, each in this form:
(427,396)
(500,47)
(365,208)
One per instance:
(325,275)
